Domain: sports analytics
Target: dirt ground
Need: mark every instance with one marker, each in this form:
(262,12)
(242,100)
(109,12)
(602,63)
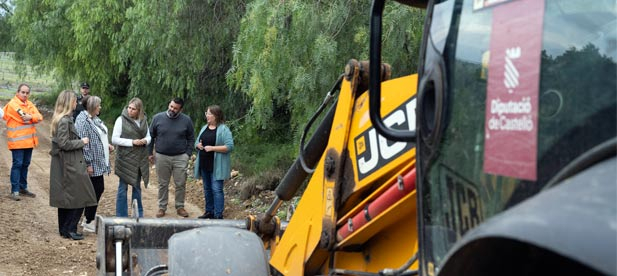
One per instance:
(29,239)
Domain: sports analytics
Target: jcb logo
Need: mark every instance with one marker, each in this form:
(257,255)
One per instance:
(374,151)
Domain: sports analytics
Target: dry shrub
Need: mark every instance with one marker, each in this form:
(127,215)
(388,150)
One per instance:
(266,181)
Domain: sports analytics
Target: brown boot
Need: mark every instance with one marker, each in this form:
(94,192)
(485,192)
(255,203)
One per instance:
(181,212)
(160,213)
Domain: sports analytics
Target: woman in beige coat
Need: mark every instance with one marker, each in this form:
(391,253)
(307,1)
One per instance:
(70,189)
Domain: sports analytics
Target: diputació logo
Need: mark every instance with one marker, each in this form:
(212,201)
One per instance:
(511,118)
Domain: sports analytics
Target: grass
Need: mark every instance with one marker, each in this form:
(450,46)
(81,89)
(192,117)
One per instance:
(9,79)
(256,158)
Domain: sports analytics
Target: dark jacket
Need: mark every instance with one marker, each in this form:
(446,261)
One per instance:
(80,106)
(172,136)
(69,183)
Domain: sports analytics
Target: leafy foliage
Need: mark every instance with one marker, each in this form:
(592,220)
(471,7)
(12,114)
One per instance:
(172,49)
(151,49)
(72,39)
(6,34)
(6,31)
(289,53)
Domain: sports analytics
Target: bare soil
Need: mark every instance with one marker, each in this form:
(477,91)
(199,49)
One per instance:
(29,239)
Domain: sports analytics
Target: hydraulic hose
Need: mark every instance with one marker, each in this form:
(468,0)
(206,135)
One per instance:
(375,79)
(308,158)
(313,151)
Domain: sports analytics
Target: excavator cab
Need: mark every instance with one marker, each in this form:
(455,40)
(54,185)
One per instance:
(516,137)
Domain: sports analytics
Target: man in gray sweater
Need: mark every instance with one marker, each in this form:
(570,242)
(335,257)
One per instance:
(172,138)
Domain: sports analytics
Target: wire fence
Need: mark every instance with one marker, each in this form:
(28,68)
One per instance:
(10,78)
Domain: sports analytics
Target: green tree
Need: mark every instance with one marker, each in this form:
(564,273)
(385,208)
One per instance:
(183,48)
(76,40)
(289,53)
(6,31)
(151,49)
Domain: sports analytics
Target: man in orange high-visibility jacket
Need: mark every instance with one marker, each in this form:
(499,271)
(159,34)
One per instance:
(21,115)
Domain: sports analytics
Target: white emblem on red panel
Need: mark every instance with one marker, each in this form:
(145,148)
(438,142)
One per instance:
(511,73)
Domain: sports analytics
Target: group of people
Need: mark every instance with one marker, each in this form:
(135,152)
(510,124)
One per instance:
(80,155)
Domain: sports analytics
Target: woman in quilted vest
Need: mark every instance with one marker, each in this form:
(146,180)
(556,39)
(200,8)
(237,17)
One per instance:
(131,137)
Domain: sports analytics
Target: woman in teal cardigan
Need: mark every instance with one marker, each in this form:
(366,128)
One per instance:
(214,145)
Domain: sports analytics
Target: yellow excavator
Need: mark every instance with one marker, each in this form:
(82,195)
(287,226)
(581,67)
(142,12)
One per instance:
(497,158)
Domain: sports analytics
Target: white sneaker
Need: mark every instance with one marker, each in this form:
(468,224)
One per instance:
(89,227)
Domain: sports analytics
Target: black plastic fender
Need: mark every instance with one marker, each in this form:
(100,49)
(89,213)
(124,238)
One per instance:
(570,228)
(217,251)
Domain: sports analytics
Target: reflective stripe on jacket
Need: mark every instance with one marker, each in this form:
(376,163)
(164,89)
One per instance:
(21,134)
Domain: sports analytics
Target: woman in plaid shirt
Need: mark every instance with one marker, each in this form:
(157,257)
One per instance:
(96,152)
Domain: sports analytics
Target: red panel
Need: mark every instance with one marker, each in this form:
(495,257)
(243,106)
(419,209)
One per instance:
(511,127)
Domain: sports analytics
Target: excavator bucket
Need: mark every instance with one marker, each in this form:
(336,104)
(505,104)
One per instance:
(139,246)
